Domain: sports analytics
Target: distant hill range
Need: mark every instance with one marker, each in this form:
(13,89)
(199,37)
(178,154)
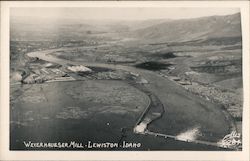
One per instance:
(211,28)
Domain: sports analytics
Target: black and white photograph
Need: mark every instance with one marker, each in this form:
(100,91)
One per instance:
(125,78)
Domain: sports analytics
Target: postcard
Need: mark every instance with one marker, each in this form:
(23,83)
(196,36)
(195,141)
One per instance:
(118,80)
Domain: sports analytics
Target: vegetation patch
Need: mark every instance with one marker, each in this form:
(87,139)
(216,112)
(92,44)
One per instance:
(167,55)
(100,69)
(152,65)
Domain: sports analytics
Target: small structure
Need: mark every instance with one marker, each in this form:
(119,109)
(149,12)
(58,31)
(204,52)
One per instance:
(79,68)
(185,82)
(134,74)
(174,78)
(49,65)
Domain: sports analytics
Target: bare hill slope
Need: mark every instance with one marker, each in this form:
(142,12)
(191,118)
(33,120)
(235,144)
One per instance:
(192,29)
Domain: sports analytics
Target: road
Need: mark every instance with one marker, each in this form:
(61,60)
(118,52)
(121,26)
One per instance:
(183,109)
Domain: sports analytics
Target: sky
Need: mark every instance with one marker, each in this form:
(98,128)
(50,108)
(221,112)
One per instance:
(121,13)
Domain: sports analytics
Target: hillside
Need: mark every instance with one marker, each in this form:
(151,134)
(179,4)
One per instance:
(192,29)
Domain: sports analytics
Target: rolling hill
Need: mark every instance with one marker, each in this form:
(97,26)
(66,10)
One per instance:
(228,26)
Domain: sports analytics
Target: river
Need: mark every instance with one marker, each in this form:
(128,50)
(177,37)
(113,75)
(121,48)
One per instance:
(183,110)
